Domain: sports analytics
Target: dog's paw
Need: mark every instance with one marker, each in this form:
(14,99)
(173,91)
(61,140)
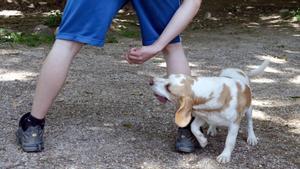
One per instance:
(203,142)
(223,158)
(252,140)
(212,131)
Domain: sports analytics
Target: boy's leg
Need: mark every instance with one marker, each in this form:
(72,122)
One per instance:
(154,16)
(177,64)
(53,75)
(51,80)
(176,60)
(83,22)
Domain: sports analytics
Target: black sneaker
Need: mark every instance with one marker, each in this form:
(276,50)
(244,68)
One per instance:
(30,133)
(31,140)
(186,141)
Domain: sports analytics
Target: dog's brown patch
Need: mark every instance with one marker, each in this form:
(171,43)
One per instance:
(200,100)
(225,96)
(224,100)
(243,101)
(185,89)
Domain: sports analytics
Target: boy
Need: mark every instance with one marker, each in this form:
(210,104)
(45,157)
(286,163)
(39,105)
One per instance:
(86,22)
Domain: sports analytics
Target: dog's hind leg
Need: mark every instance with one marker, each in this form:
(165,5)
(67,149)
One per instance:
(224,157)
(195,127)
(252,140)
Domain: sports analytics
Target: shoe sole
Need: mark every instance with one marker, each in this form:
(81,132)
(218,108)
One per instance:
(185,149)
(29,148)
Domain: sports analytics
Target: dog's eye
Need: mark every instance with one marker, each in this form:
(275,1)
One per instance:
(168,88)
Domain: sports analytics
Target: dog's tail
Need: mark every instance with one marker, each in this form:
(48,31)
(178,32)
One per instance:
(259,70)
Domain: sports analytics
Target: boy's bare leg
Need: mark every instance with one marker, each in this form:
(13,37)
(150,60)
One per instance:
(176,60)
(53,75)
(177,64)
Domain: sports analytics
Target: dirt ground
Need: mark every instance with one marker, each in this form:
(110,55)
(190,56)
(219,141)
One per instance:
(107,117)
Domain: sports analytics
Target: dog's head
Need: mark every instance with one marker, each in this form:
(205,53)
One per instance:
(176,88)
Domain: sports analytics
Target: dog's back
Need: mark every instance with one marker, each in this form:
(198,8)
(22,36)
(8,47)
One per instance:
(238,74)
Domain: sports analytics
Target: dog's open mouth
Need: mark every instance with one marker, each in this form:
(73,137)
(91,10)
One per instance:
(162,99)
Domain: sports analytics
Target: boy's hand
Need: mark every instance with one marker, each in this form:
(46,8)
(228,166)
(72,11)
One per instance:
(141,55)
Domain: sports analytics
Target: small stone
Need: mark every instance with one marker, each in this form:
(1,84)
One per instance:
(284,11)
(43,30)
(108,125)
(295,19)
(207,15)
(42,3)
(31,6)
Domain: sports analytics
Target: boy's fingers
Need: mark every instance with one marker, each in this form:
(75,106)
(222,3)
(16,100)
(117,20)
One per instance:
(135,51)
(129,61)
(137,58)
(125,56)
(133,56)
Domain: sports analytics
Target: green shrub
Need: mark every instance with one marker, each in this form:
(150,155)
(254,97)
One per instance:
(296,14)
(129,33)
(24,38)
(111,39)
(53,20)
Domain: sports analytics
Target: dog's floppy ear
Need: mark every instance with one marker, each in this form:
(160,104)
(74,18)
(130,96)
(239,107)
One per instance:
(183,115)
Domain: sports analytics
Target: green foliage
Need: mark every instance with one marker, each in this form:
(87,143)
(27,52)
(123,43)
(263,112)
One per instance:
(128,125)
(53,20)
(111,39)
(24,38)
(129,33)
(296,14)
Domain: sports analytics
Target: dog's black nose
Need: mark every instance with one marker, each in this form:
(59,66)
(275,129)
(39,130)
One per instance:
(151,82)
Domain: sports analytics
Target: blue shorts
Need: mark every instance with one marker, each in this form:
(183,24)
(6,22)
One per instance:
(87,21)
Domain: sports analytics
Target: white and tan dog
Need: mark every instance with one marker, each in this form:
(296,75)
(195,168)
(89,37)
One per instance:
(218,101)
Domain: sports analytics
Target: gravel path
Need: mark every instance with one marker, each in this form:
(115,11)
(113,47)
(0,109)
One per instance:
(107,117)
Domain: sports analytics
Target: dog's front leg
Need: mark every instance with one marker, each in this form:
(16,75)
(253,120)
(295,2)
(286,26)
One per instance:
(224,157)
(195,127)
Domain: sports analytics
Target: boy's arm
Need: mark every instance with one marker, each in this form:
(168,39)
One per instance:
(177,24)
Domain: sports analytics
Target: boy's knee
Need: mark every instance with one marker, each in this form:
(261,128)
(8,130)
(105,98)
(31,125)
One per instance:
(68,43)
(171,48)
(66,46)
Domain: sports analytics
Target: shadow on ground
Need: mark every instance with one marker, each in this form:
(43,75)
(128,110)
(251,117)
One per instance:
(107,117)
